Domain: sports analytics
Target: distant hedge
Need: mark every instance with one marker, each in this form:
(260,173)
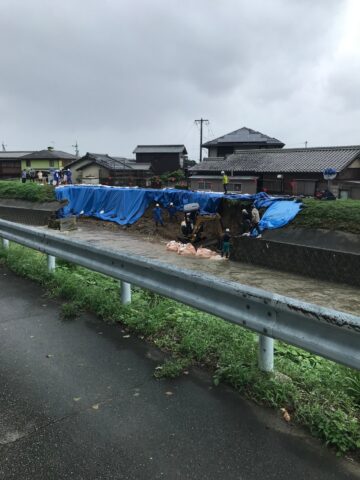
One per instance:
(32,192)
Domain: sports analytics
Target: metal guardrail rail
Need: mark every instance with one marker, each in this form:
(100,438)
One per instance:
(332,334)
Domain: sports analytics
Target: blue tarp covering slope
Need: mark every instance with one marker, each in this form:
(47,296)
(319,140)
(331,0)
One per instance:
(126,205)
(279,214)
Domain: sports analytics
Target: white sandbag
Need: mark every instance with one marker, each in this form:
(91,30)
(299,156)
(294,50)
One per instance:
(187,250)
(173,246)
(204,253)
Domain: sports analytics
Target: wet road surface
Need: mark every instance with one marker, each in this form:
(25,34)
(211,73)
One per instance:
(78,401)
(328,294)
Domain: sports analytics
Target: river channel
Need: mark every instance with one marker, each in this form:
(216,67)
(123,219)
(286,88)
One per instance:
(327,294)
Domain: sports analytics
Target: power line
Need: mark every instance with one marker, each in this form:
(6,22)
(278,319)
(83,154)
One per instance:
(201,122)
(211,131)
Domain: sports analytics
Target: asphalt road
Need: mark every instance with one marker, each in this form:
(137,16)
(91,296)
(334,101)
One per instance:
(78,401)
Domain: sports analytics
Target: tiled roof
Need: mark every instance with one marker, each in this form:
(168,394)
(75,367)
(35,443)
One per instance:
(244,135)
(160,149)
(113,163)
(301,160)
(14,155)
(49,154)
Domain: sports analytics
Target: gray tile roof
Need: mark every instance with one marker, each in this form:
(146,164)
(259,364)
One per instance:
(14,155)
(160,149)
(49,154)
(244,135)
(291,160)
(219,177)
(113,163)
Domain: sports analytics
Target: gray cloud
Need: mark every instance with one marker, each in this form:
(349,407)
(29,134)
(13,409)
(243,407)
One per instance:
(114,74)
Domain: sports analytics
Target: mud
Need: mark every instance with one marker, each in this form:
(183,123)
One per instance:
(152,245)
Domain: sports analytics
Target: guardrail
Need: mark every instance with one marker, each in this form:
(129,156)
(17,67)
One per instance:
(329,333)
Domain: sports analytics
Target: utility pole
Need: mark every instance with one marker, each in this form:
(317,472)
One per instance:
(76,146)
(3,147)
(201,122)
(306,144)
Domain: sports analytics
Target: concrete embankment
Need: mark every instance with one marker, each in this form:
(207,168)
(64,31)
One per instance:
(322,254)
(29,213)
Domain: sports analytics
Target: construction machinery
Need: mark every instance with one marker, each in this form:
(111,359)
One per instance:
(204,230)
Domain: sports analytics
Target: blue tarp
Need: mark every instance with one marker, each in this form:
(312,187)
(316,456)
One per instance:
(126,205)
(279,214)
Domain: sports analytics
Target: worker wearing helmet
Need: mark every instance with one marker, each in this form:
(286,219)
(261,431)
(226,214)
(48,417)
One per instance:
(225,248)
(157,216)
(225,181)
(172,212)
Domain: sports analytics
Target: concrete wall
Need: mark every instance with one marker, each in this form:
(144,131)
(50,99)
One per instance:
(215,184)
(90,174)
(77,174)
(315,262)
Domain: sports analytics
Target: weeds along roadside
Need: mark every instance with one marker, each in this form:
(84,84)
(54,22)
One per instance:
(317,393)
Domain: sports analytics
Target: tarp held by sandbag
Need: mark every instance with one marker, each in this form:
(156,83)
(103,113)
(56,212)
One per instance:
(127,205)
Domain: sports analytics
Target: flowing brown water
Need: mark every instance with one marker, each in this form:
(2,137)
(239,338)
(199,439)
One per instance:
(332,295)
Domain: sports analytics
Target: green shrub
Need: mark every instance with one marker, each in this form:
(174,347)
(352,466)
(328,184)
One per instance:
(32,192)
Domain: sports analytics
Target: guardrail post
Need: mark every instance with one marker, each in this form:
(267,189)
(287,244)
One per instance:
(5,243)
(266,353)
(125,292)
(51,263)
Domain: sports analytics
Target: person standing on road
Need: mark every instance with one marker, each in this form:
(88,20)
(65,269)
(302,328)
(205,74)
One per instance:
(57,177)
(32,175)
(225,181)
(157,216)
(23,176)
(68,174)
(225,247)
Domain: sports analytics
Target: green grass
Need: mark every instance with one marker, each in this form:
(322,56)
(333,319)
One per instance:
(32,192)
(319,394)
(343,215)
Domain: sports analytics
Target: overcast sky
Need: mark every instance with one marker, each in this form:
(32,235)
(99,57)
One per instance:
(112,74)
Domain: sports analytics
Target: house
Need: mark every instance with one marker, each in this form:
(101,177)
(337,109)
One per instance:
(244,138)
(99,168)
(10,163)
(46,160)
(293,171)
(162,158)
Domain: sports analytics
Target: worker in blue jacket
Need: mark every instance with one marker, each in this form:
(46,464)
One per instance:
(68,176)
(172,212)
(157,216)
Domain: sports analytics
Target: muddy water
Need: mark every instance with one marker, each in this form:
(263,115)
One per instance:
(332,295)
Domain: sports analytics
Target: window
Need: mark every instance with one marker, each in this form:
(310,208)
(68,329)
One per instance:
(28,163)
(204,186)
(51,163)
(273,185)
(234,187)
(305,187)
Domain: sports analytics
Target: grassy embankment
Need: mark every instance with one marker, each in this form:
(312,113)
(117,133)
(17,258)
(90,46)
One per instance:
(343,215)
(32,192)
(319,394)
